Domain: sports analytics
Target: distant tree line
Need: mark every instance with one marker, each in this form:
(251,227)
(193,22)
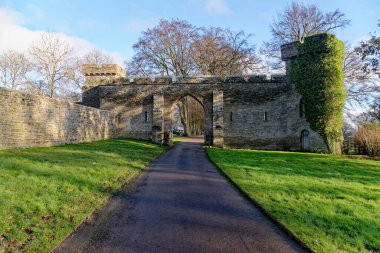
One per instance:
(50,67)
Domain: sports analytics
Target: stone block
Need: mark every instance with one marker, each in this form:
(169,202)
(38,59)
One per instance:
(234,79)
(163,80)
(288,51)
(257,78)
(278,78)
(143,80)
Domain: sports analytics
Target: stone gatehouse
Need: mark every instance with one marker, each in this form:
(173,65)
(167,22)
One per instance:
(240,111)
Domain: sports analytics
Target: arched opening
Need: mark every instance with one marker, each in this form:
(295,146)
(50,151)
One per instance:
(188,118)
(305,140)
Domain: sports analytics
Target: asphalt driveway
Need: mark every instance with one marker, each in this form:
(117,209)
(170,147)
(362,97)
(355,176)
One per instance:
(180,204)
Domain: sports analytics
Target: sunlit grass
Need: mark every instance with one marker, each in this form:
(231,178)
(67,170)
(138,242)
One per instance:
(46,192)
(332,203)
(178,139)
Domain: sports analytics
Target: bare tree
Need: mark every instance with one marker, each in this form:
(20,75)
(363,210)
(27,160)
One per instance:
(178,48)
(360,84)
(297,22)
(217,51)
(370,52)
(208,51)
(192,116)
(14,68)
(53,61)
(372,114)
(164,49)
(94,56)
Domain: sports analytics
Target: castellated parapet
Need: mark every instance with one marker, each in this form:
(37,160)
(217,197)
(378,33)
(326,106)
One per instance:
(105,73)
(166,80)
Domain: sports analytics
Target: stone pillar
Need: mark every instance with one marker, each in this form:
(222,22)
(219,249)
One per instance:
(168,124)
(207,102)
(217,118)
(158,119)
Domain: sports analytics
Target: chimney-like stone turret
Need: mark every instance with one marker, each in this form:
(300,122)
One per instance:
(97,74)
(288,51)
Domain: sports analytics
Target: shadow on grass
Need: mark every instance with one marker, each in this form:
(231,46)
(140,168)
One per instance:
(48,191)
(329,202)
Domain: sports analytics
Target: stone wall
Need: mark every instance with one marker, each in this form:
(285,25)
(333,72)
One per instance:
(28,120)
(240,112)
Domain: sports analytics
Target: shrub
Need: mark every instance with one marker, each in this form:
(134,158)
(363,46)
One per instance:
(317,151)
(368,138)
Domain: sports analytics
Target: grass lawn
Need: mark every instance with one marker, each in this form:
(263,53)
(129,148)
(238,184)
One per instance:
(46,192)
(178,139)
(332,203)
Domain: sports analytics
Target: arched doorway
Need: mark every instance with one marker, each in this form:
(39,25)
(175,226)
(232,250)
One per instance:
(305,140)
(188,117)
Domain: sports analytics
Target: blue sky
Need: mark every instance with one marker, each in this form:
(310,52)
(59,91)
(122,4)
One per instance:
(114,26)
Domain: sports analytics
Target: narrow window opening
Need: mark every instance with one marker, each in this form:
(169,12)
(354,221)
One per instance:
(118,119)
(265,116)
(146,116)
(231,116)
(302,108)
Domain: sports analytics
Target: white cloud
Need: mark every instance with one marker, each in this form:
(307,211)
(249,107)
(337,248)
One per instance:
(218,6)
(16,36)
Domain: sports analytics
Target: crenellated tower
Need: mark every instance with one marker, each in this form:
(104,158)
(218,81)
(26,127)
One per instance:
(97,74)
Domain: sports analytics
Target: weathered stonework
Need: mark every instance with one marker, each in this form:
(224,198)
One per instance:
(253,111)
(158,118)
(105,73)
(28,120)
(217,118)
(234,110)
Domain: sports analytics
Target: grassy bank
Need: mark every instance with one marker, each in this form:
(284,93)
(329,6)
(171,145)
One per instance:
(332,203)
(46,192)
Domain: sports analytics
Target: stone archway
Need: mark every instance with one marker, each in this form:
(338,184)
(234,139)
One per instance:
(194,120)
(212,103)
(210,98)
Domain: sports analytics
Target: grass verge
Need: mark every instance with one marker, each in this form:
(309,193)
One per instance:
(331,203)
(178,139)
(45,193)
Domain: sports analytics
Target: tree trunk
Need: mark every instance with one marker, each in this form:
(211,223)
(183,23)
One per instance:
(192,116)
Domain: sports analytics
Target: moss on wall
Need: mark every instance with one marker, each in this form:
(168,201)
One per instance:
(318,75)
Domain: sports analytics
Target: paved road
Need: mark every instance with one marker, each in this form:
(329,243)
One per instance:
(180,204)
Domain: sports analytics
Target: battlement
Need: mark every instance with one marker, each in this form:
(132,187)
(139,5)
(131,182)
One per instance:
(105,73)
(165,80)
(103,70)
(289,51)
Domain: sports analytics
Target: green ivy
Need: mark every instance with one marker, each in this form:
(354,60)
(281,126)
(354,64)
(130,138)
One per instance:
(318,75)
